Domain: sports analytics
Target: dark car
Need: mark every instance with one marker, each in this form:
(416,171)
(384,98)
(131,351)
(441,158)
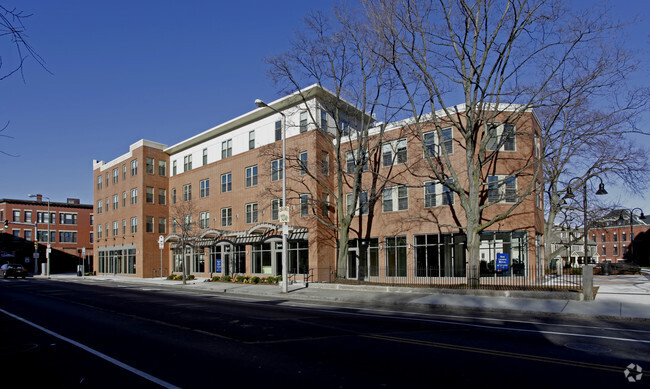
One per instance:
(12,269)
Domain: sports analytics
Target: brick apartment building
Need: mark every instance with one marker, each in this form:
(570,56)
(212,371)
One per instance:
(231,178)
(70,223)
(614,235)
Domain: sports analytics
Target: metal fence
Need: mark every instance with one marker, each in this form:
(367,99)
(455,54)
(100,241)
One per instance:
(536,278)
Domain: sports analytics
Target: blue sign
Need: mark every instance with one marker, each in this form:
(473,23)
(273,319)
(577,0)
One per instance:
(503,262)
(217,265)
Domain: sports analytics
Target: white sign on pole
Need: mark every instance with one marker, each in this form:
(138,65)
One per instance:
(161,242)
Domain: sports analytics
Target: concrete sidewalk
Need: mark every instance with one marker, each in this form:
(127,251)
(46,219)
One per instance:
(618,297)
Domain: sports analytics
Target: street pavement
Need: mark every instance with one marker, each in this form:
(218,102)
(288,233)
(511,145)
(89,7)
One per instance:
(618,296)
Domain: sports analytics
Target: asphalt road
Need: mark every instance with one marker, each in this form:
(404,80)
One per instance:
(101,335)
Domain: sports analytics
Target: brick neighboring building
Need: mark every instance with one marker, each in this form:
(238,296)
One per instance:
(614,235)
(231,174)
(71,223)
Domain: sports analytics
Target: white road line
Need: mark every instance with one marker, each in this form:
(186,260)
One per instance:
(105,357)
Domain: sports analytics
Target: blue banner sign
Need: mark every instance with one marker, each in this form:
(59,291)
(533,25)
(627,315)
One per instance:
(217,265)
(503,262)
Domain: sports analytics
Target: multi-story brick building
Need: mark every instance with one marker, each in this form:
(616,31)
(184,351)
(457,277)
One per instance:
(231,176)
(614,235)
(70,224)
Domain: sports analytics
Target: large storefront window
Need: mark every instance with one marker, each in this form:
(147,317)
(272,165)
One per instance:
(298,257)
(120,261)
(228,259)
(396,256)
(440,255)
(503,253)
(262,263)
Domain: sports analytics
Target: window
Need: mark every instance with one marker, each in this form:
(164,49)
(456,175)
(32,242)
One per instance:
(623,236)
(394,152)
(174,168)
(325,163)
(162,196)
(352,160)
(187,163)
(276,204)
(99,182)
(116,202)
(362,203)
(204,219)
(162,168)
(148,165)
(251,176)
(615,253)
(116,175)
(16,216)
(134,167)
(396,256)
(278,130)
(251,140)
(28,234)
(107,204)
(502,188)
(68,236)
(303,121)
(204,188)
(187,192)
(304,205)
(501,137)
(162,225)
(116,228)
(134,225)
(174,196)
(67,218)
(226,149)
(251,213)
(149,224)
(123,227)
(99,232)
(325,204)
(134,196)
(276,170)
(226,217)
(302,162)
(395,198)
(602,237)
(107,176)
(615,238)
(124,171)
(323,120)
(149,194)
(432,146)
(344,127)
(604,250)
(226,182)
(205,157)
(429,194)
(124,199)
(28,216)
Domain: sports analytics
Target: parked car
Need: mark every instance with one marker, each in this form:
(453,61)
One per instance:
(12,269)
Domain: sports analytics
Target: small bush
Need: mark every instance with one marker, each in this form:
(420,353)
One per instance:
(239,279)
(216,278)
(576,271)
(171,277)
(255,280)
(227,278)
(191,277)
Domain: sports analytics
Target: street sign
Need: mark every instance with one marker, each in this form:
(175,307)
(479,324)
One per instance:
(83,252)
(161,242)
(503,262)
(283,214)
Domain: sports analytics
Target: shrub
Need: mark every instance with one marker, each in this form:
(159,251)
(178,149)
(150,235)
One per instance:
(271,280)
(227,278)
(171,277)
(239,279)
(576,271)
(255,280)
(216,278)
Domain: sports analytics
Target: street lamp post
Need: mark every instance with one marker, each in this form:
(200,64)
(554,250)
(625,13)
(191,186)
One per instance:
(569,195)
(285,230)
(48,247)
(642,217)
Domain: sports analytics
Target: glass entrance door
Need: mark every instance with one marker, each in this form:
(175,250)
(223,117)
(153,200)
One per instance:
(353,261)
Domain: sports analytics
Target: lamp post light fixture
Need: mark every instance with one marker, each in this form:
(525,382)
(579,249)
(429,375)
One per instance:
(285,229)
(48,247)
(642,217)
(569,195)
(587,281)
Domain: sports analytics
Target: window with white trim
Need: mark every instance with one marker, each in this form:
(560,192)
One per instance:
(394,152)
(251,176)
(226,182)
(432,143)
(501,136)
(502,188)
(395,198)
(251,213)
(362,204)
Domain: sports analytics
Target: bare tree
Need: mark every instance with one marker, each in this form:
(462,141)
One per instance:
(12,28)
(489,55)
(183,215)
(338,55)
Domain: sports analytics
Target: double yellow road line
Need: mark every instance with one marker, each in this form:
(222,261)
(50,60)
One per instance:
(499,353)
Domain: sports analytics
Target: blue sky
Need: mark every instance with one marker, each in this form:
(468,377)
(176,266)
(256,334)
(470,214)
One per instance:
(161,70)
